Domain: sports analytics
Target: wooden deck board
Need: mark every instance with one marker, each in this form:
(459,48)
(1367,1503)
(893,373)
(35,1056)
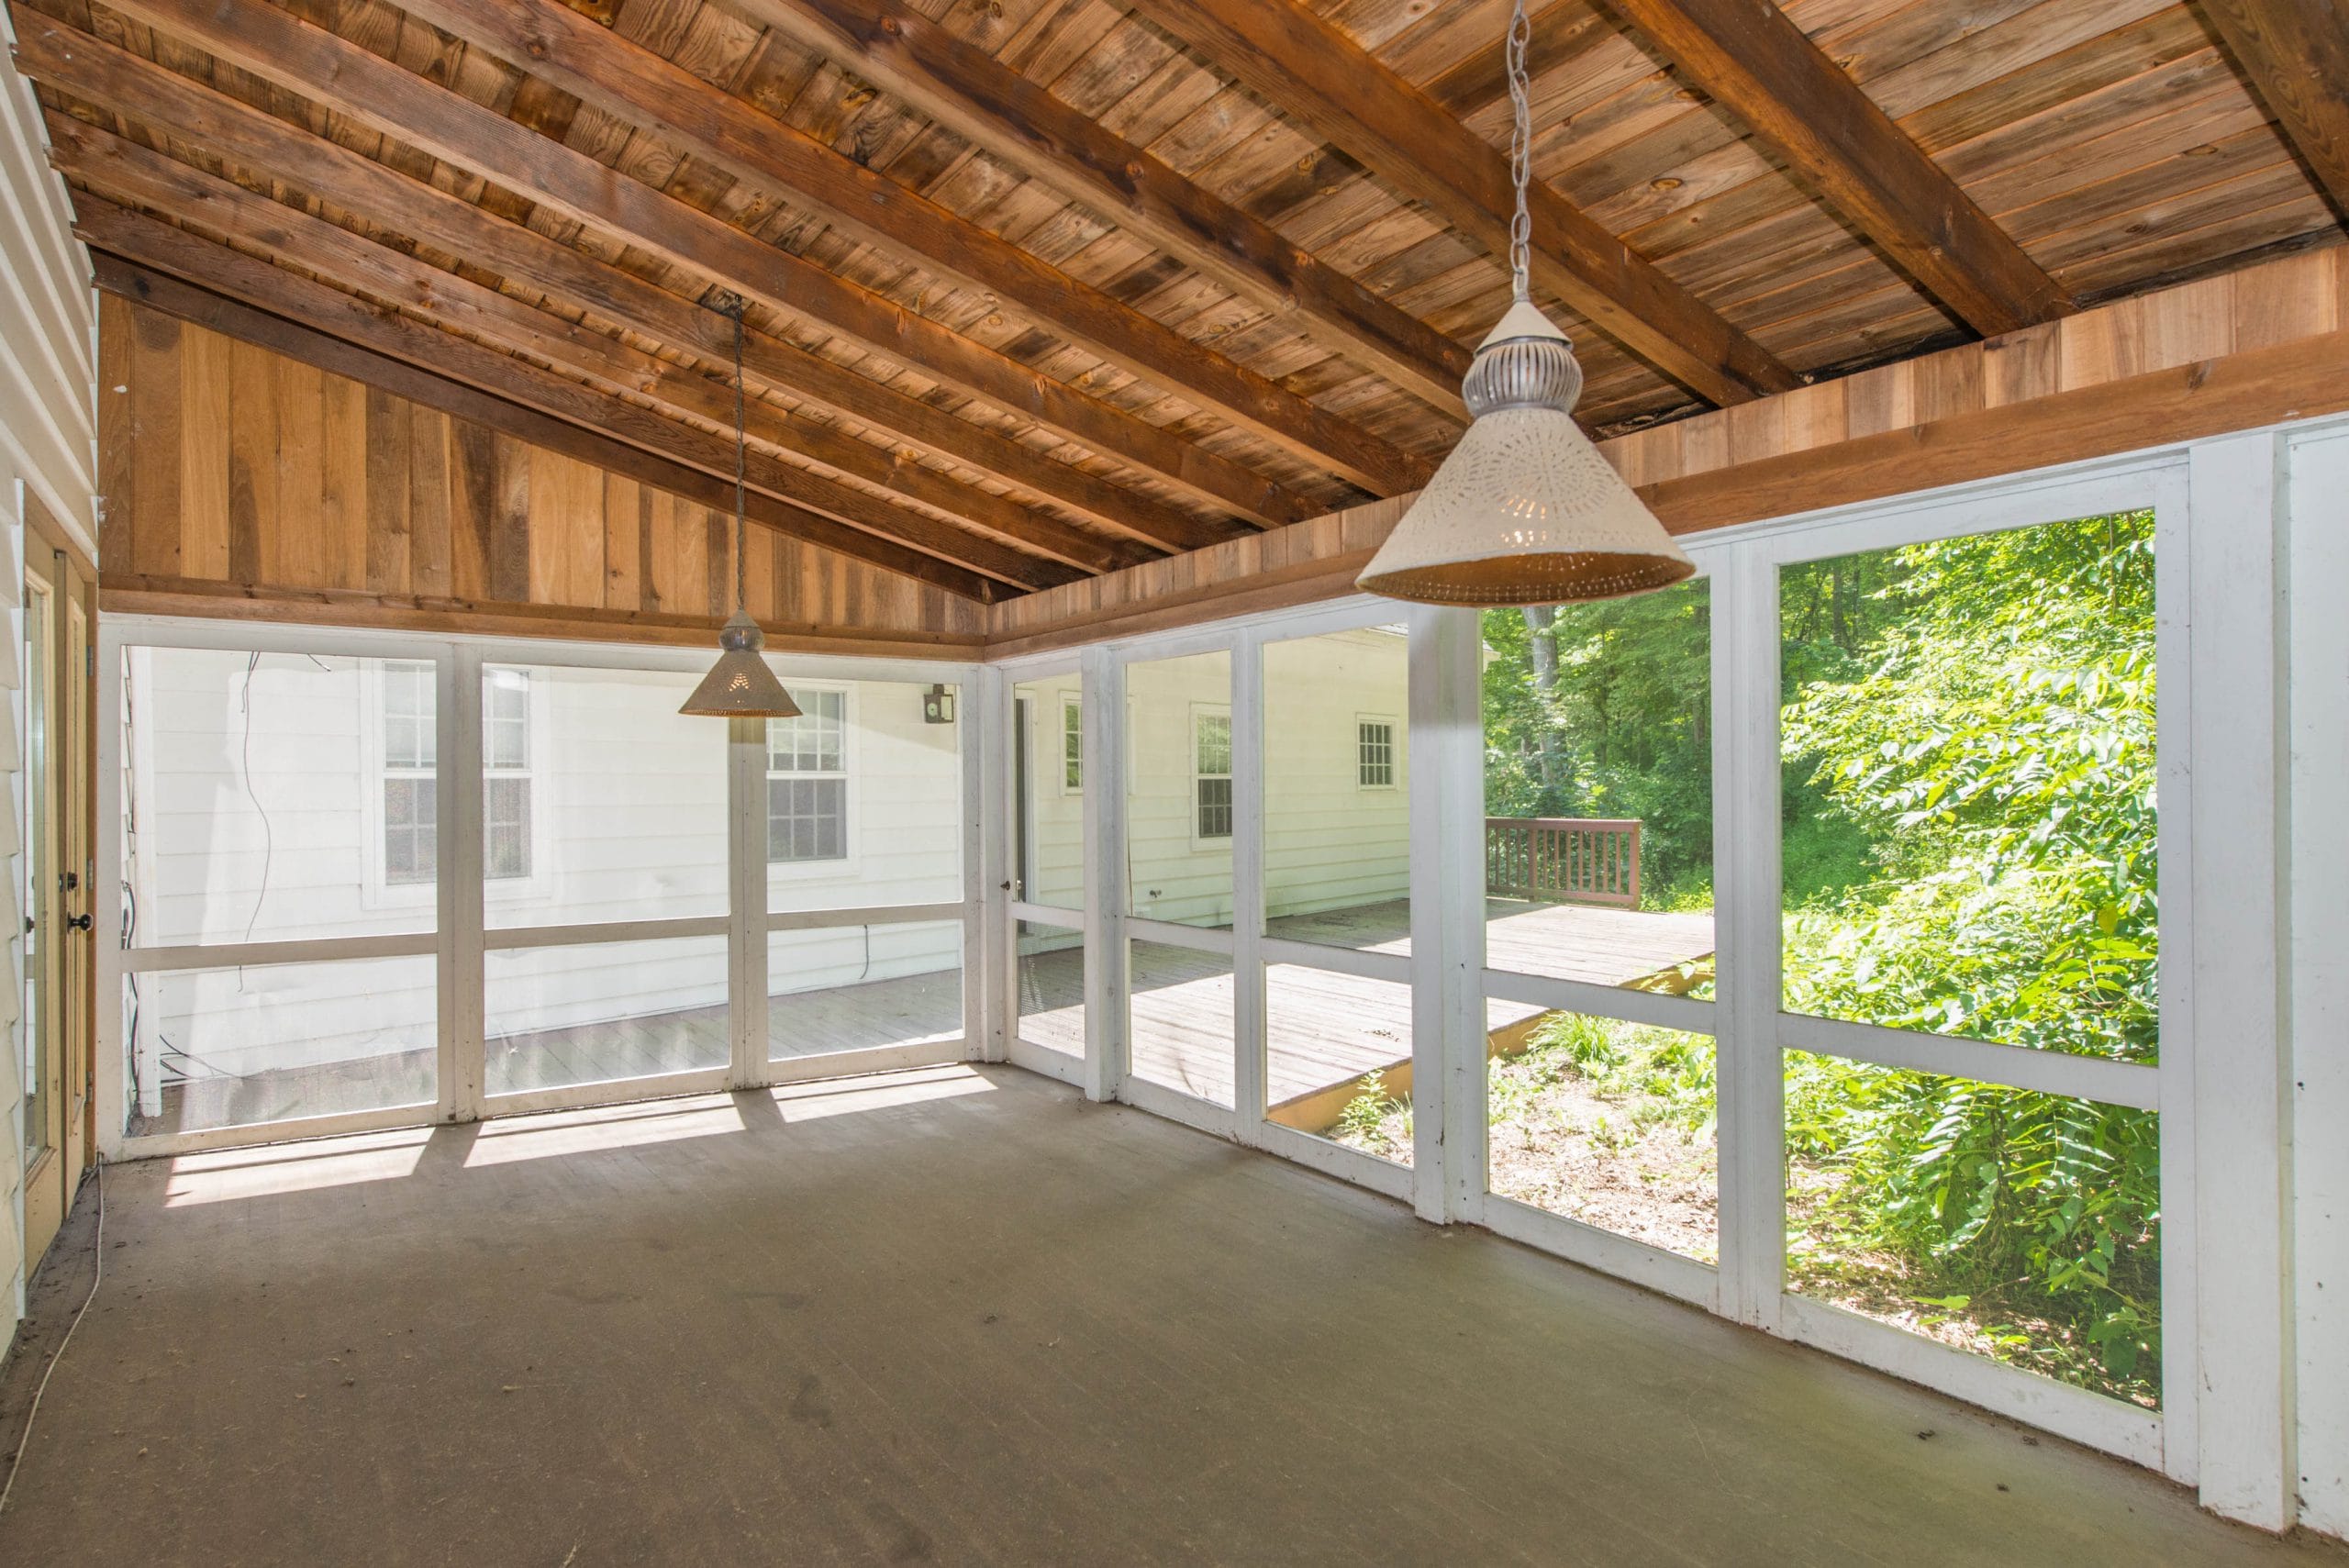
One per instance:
(1325,1029)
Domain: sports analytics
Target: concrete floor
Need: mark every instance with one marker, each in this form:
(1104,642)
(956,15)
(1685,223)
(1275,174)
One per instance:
(952,1316)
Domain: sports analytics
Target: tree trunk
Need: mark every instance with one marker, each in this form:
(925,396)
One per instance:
(1540,623)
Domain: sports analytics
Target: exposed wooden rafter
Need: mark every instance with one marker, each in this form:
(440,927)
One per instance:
(1752,60)
(290,53)
(1308,68)
(585,57)
(136,175)
(2297,54)
(104,76)
(899,49)
(154,244)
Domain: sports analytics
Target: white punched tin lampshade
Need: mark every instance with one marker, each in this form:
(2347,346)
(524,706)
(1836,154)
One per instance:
(1524,511)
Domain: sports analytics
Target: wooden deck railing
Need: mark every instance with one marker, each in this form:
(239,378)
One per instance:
(1564,860)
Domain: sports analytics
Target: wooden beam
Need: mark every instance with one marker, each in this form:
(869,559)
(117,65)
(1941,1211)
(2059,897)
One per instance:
(2296,54)
(1308,68)
(155,264)
(287,52)
(139,176)
(1754,62)
(100,73)
(898,48)
(127,594)
(582,56)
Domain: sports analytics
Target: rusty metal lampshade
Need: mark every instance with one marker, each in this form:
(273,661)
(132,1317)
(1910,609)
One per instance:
(1525,511)
(739,685)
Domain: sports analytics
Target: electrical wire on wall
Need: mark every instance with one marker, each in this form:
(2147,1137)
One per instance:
(98,1275)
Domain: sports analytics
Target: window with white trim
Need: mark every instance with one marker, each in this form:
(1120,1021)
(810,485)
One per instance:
(1375,752)
(411,802)
(1212,773)
(1071,746)
(506,774)
(807,780)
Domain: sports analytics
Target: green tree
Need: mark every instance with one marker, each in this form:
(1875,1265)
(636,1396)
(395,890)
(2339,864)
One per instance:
(1987,738)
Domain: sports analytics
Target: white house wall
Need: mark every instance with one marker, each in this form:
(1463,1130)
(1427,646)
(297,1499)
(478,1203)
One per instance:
(1055,822)
(48,432)
(1329,843)
(254,815)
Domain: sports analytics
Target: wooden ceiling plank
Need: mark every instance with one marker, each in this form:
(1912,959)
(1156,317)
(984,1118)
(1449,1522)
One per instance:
(105,226)
(581,55)
(100,75)
(134,174)
(960,85)
(291,54)
(1753,61)
(1310,70)
(2296,54)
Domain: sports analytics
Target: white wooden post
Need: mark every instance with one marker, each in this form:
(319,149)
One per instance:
(1104,706)
(2319,581)
(989,997)
(110,1067)
(1749,1073)
(746,788)
(1248,743)
(461,866)
(1447,915)
(2242,1264)
(447,720)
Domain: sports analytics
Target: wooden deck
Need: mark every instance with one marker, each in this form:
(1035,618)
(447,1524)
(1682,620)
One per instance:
(1325,1029)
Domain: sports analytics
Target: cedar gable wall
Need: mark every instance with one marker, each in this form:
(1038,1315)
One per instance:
(240,482)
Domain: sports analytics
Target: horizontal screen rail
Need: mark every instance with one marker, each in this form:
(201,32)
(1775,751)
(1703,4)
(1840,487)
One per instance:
(1199,939)
(1656,1009)
(2135,1084)
(255,955)
(596,933)
(879,915)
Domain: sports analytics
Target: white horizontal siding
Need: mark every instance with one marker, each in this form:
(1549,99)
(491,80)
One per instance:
(1329,843)
(255,814)
(1055,870)
(47,451)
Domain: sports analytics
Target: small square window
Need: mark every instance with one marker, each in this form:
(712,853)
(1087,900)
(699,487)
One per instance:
(1375,752)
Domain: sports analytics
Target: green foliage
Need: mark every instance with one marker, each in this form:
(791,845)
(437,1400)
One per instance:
(1983,727)
(1375,1121)
(1969,847)
(1617,723)
(1660,1076)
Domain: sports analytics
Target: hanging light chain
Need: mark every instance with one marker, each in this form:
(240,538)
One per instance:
(742,573)
(1521,149)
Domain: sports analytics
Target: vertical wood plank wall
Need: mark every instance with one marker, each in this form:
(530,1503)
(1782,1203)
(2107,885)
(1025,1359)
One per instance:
(239,481)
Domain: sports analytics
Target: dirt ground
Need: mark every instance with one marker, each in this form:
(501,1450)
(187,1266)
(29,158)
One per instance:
(1575,1153)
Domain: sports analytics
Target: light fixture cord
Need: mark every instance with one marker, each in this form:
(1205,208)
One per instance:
(741,573)
(1521,149)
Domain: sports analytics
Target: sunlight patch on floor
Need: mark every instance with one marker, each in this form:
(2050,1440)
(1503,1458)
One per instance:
(227,1175)
(603,1128)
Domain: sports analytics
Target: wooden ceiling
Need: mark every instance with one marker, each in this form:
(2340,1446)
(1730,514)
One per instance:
(1038,289)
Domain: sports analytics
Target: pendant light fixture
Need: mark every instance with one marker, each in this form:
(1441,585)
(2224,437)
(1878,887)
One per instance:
(739,685)
(1524,511)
